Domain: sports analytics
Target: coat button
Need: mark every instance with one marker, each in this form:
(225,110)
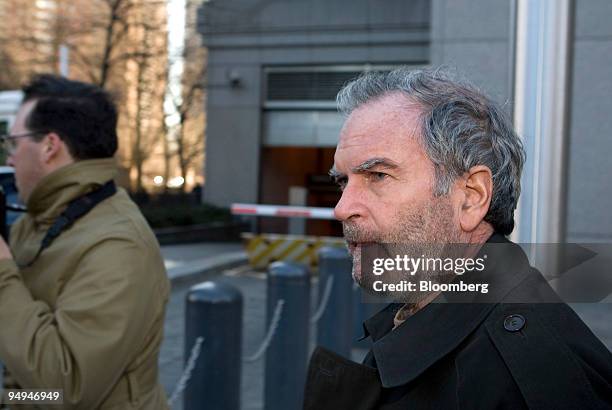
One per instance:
(514,323)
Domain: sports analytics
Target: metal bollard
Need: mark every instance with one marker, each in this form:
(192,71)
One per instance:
(335,328)
(214,312)
(287,355)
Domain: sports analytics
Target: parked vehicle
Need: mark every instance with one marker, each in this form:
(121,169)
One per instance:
(7,181)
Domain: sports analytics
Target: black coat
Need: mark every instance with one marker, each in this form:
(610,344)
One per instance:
(472,356)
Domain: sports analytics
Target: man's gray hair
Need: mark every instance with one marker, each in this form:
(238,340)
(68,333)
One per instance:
(460,128)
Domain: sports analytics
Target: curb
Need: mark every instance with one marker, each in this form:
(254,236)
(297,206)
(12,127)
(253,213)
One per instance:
(206,266)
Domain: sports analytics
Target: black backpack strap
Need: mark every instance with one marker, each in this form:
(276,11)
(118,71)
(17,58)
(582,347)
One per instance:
(75,210)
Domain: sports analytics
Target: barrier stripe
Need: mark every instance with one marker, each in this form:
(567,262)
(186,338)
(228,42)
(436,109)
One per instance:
(275,244)
(283,211)
(253,243)
(303,214)
(314,252)
(242,210)
(309,251)
(292,246)
(263,249)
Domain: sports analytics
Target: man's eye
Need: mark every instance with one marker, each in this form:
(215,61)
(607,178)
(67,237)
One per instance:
(377,176)
(341,182)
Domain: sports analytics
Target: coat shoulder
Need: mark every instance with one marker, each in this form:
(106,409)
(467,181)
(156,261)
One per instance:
(119,217)
(552,355)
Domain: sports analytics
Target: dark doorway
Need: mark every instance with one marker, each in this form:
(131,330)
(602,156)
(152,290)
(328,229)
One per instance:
(284,167)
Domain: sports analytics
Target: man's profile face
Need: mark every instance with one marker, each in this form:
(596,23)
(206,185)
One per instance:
(25,158)
(387,180)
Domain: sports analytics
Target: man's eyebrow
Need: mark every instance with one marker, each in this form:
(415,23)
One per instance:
(373,162)
(334,173)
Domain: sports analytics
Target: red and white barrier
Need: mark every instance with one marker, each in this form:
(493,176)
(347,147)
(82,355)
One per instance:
(283,211)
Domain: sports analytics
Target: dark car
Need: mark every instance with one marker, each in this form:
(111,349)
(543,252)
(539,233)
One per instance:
(7,181)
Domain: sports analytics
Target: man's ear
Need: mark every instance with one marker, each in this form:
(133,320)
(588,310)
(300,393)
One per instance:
(52,148)
(477,188)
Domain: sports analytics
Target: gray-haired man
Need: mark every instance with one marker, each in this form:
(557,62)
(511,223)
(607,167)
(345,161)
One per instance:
(424,159)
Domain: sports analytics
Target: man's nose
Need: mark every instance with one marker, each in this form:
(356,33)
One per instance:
(350,205)
(9,161)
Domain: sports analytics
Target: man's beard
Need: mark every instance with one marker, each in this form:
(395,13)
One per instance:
(422,232)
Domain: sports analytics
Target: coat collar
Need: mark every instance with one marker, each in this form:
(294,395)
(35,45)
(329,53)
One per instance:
(403,354)
(53,192)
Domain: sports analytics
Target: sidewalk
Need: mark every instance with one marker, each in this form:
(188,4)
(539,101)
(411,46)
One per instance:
(183,261)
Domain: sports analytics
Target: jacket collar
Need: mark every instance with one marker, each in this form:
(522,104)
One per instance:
(403,354)
(54,191)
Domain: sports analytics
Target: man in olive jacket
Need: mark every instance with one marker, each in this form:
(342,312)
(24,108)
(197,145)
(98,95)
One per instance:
(83,288)
(428,163)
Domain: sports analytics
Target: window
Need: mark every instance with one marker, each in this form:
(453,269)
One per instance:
(311,87)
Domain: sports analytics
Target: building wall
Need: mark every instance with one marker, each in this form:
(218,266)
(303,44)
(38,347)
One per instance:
(475,38)
(589,216)
(244,36)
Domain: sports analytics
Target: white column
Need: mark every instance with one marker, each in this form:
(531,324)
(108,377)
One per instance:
(541,114)
(64,60)
(298,195)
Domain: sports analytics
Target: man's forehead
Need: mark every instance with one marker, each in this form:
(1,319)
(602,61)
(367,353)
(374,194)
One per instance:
(27,106)
(381,129)
(22,114)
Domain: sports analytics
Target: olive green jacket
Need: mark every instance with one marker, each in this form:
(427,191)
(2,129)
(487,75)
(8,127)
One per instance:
(87,316)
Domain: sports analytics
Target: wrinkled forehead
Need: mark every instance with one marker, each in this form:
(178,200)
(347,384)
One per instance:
(387,127)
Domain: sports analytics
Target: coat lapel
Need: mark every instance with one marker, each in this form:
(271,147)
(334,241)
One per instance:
(337,383)
(436,330)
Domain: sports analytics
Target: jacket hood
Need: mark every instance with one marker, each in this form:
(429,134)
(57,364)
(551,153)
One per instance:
(54,191)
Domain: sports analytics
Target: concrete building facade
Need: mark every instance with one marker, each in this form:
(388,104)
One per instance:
(264,54)
(274,68)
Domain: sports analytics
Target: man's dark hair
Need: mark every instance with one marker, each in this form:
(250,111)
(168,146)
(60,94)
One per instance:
(83,115)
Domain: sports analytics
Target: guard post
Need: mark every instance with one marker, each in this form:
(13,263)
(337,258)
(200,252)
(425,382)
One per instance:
(335,327)
(214,312)
(287,355)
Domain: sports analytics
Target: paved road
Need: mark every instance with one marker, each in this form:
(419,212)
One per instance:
(179,255)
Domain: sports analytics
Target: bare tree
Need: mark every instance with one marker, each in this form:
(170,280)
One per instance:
(121,45)
(148,99)
(9,78)
(188,131)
